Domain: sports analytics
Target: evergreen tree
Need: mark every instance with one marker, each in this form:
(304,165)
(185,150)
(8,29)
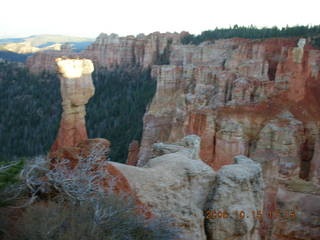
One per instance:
(252,32)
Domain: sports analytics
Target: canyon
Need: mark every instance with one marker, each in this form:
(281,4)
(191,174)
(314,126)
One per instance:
(255,98)
(175,183)
(251,97)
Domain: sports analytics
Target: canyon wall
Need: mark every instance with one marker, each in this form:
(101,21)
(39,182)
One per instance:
(111,51)
(176,183)
(257,98)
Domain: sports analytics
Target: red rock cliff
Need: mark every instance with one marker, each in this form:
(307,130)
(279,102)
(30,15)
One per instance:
(258,98)
(111,51)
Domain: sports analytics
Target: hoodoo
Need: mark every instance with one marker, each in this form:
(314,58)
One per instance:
(76,90)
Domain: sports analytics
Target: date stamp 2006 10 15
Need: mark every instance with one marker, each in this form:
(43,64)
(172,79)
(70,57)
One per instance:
(216,214)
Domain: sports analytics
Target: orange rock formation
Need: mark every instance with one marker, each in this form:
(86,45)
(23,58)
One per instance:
(257,98)
(76,89)
(133,153)
(72,142)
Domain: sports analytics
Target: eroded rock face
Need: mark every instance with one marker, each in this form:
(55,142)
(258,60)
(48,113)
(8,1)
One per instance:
(179,184)
(300,200)
(133,153)
(76,89)
(45,61)
(204,80)
(283,139)
(238,191)
(111,51)
(256,98)
(176,183)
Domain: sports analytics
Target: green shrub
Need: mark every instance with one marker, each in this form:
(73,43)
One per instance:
(59,204)
(8,177)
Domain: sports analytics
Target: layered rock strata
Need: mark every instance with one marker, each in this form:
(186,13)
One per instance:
(76,89)
(111,51)
(257,98)
(72,143)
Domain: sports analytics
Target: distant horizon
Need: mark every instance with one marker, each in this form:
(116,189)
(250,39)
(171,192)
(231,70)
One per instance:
(131,17)
(3,36)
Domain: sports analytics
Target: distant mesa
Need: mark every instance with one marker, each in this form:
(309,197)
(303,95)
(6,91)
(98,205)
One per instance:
(38,43)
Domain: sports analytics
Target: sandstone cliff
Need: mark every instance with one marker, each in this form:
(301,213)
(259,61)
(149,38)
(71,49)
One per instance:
(176,183)
(112,51)
(257,98)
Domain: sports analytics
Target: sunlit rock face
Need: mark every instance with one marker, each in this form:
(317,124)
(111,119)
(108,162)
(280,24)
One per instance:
(74,68)
(76,90)
(210,78)
(144,50)
(177,183)
(257,98)
(111,51)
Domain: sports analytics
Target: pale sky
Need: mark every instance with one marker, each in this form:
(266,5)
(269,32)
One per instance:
(125,17)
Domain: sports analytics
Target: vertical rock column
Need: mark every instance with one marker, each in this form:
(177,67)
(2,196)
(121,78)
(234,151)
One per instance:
(76,89)
(133,153)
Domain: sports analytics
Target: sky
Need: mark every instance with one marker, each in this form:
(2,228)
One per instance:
(129,17)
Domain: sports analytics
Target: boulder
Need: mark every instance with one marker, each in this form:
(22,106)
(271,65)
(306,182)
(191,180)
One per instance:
(236,202)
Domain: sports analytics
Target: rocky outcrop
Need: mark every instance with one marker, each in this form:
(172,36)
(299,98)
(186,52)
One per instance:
(133,153)
(204,79)
(83,149)
(45,61)
(235,202)
(298,203)
(76,89)
(178,184)
(111,51)
(257,98)
(174,184)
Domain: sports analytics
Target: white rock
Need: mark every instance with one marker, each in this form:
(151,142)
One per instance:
(239,188)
